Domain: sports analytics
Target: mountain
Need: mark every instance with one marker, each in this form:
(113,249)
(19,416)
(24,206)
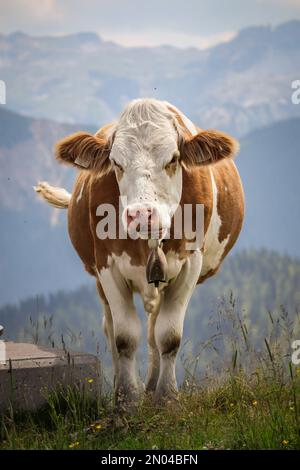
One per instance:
(36,254)
(236,86)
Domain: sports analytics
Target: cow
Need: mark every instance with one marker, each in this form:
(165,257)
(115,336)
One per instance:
(156,160)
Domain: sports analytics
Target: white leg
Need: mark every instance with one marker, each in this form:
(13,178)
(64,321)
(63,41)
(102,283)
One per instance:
(108,329)
(169,323)
(126,332)
(153,353)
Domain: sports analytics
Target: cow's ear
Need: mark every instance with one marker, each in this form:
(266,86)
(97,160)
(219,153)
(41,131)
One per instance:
(84,150)
(208,147)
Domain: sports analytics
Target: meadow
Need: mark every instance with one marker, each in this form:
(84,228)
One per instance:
(248,399)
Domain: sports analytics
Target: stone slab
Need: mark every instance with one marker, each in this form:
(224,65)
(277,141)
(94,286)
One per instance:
(30,372)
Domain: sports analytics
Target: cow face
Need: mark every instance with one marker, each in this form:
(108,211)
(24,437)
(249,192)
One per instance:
(147,149)
(145,159)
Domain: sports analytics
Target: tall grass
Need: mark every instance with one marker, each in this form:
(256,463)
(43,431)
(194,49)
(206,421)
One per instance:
(240,391)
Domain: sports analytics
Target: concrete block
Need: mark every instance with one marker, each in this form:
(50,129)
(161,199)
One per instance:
(29,372)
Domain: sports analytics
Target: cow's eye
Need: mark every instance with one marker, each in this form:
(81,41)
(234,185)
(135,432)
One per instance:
(174,159)
(116,165)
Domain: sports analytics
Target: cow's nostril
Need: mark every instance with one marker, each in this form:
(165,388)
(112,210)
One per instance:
(130,216)
(143,215)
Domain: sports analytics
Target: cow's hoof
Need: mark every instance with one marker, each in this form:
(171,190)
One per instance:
(127,401)
(166,396)
(125,408)
(142,388)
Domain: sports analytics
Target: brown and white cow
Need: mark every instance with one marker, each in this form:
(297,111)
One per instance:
(157,159)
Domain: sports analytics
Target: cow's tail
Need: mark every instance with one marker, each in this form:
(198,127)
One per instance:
(57,197)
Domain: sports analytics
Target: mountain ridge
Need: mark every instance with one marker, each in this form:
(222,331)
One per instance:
(234,86)
(249,32)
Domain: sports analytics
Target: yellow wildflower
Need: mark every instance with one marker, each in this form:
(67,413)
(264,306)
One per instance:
(90,381)
(98,426)
(255,403)
(284,442)
(73,445)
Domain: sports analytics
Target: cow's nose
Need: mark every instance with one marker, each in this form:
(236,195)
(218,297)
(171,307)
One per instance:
(141,214)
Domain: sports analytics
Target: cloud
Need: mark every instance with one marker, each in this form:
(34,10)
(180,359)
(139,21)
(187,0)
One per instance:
(46,9)
(135,22)
(42,9)
(292,3)
(26,14)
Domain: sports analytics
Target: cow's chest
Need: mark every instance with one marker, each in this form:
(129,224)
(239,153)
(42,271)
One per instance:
(136,277)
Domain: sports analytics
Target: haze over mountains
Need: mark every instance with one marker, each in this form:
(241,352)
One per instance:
(243,87)
(236,86)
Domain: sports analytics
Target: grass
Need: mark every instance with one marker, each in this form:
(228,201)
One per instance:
(251,401)
(242,413)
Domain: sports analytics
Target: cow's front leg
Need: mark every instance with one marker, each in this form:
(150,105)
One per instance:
(153,352)
(169,324)
(108,328)
(127,332)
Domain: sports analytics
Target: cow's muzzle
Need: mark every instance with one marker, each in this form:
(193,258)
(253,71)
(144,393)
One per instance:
(143,221)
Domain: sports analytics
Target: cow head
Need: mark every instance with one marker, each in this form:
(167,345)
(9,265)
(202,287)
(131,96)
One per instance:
(147,149)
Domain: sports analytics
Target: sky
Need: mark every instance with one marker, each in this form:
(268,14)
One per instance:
(182,23)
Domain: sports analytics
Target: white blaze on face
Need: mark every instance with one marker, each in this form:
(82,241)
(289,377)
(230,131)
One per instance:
(145,143)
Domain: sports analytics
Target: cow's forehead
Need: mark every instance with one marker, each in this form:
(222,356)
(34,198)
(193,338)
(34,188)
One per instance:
(148,138)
